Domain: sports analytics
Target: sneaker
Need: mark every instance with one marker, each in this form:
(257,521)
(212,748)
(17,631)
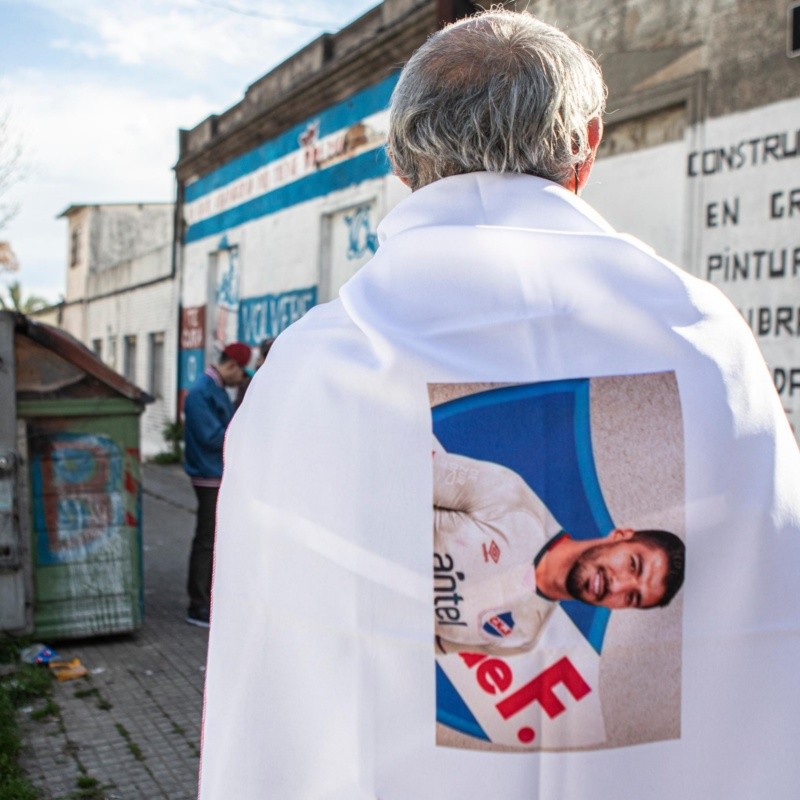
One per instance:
(199,618)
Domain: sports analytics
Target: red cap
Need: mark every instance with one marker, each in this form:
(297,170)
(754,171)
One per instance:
(238,352)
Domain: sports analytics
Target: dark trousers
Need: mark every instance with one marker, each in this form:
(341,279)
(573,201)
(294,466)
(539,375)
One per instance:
(202,554)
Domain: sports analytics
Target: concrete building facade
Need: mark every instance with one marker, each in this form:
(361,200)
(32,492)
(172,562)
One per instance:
(279,196)
(121,300)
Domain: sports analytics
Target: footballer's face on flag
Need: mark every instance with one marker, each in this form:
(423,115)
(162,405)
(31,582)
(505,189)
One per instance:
(619,573)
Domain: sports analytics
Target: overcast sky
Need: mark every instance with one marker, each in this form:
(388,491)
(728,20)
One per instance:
(97,90)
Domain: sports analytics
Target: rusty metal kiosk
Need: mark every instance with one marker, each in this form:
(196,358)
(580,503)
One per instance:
(70,488)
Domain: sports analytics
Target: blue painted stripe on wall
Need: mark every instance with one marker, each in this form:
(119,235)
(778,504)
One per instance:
(348,112)
(372,164)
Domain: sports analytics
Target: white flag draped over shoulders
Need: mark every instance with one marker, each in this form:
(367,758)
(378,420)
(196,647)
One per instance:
(323,680)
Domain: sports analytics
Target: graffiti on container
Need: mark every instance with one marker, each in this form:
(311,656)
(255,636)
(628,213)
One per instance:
(361,239)
(84,493)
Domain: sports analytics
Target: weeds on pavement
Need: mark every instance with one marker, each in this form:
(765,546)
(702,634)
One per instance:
(24,685)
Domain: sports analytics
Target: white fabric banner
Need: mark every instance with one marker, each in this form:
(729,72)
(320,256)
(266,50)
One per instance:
(322,675)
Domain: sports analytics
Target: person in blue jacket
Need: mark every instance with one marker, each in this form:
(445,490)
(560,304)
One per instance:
(207,412)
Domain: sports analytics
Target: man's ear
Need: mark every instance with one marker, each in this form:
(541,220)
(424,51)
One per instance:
(403,178)
(619,534)
(594,134)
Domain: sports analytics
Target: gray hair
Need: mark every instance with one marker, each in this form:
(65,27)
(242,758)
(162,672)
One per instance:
(499,92)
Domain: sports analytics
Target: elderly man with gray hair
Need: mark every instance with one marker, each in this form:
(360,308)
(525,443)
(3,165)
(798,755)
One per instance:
(322,682)
(504,94)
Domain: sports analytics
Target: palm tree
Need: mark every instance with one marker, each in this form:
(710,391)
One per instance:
(12,300)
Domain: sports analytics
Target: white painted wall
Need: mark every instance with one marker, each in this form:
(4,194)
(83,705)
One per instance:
(141,312)
(644,194)
(724,204)
(746,208)
(121,247)
(75,283)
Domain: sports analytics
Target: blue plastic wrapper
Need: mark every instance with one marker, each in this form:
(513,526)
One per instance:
(38,654)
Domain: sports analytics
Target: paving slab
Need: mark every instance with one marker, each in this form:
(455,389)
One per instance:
(132,727)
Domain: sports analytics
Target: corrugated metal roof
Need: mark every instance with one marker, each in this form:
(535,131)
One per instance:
(76,353)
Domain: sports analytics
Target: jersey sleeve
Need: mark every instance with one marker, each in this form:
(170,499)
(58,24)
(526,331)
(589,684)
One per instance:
(483,489)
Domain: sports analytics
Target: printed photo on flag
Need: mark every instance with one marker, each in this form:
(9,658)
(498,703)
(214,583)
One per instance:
(558,559)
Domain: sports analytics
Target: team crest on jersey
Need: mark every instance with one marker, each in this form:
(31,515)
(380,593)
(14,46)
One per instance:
(500,625)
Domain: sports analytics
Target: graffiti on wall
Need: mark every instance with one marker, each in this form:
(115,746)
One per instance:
(227,293)
(361,237)
(265,317)
(85,492)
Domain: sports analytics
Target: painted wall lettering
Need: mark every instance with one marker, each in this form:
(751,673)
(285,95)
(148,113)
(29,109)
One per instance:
(748,237)
(264,317)
(774,321)
(757,264)
(722,213)
(784,203)
(787,381)
(752,152)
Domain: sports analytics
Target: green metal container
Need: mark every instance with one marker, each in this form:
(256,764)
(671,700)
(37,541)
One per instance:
(78,437)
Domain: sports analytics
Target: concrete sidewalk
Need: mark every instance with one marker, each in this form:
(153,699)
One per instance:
(134,724)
